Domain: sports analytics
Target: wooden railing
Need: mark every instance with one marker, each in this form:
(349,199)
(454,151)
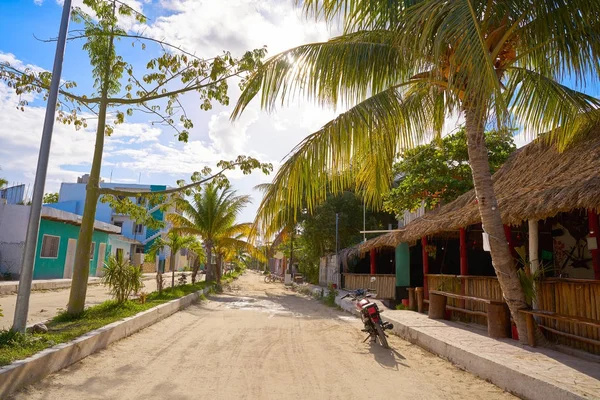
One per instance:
(573,297)
(384,285)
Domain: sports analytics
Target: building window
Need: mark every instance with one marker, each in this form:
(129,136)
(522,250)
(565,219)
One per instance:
(50,246)
(119,254)
(119,224)
(138,228)
(92,250)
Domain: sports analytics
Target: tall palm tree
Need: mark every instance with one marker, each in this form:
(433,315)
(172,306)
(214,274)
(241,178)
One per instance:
(210,213)
(403,67)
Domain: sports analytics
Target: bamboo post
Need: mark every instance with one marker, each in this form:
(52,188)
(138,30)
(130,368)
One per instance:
(464,264)
(425,267)
(530,330)
(420,302)
(534,262)
(411,299)
(594,228)
(373,264)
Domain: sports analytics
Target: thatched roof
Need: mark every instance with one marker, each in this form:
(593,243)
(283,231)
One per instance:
(536,182)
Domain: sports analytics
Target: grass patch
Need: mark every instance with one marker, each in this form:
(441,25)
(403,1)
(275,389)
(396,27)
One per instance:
(64,327)
(401,307)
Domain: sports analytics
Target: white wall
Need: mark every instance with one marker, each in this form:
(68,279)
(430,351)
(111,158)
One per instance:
(13,229)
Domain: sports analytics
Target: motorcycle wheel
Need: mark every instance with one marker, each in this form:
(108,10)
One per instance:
(381,336)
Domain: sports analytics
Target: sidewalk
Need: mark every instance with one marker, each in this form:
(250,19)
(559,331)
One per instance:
(11,287)
(530,373)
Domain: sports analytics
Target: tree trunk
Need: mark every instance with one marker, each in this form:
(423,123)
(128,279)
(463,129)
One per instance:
(210,276)
(195,267)
(219,269)
(81,269)
(172,262)
(491,219)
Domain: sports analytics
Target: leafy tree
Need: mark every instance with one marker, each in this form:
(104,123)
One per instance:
(439,172)
(119,92)
(50,198)
(210,212)
(402,67)
(318,231)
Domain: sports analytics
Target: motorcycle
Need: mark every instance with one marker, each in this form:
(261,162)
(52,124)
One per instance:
(370,316)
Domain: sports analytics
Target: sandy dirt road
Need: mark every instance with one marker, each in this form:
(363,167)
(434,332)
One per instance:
(260,341)
(45,304)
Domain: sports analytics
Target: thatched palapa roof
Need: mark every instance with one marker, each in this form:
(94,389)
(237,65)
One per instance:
(536,182)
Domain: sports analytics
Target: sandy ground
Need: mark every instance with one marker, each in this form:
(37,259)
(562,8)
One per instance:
(260,341)
(45,304)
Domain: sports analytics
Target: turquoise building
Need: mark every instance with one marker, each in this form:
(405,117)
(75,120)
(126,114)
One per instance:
(57,241)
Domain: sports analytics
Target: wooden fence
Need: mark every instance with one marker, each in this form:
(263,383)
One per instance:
(572,297)
(384,285)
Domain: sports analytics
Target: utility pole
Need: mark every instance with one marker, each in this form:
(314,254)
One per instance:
(364,222)
(33,226)
(292,253)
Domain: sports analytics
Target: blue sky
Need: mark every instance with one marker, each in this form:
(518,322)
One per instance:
(139,150)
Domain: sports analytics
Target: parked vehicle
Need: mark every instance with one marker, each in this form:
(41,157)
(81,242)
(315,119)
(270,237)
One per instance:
(370,315)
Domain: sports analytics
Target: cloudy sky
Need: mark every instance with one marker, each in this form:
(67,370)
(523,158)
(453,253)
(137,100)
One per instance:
(140,151)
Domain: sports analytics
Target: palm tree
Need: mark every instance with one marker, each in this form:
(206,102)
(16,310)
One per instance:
(402,67)
(176,241)
(210,213)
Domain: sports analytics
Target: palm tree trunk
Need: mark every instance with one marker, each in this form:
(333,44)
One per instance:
(195,267)
(219,268)
(491,219)
(172,262)
(210,276)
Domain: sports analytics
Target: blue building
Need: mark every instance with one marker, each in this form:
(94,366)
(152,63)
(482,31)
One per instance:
(71,198)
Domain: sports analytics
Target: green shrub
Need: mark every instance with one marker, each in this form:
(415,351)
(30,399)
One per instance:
(122,278)
(329,298)
(401,307)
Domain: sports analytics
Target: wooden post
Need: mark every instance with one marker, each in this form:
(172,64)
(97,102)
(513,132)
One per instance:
(464,264)
(425,267)
(437,306)
(373,264)
(420,302)
(594,228)
(530,330)
(534,262)
(412,305)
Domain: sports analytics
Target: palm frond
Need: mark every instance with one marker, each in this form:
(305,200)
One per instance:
(540,104)
(344,70)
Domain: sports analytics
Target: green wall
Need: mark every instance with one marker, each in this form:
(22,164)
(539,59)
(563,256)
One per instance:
(53,268)
(403,265)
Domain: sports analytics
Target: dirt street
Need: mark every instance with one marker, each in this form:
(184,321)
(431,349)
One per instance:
(260,341)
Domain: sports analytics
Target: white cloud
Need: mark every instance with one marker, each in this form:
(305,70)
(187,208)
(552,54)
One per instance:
(211,26)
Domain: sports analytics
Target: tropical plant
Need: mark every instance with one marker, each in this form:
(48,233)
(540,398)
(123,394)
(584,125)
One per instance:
(403,67)
(175,241)
(122,278)
(50,198)
(210,212)
(119,91)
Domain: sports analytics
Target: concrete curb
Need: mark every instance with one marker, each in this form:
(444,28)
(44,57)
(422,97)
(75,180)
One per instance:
(30,370)
(519,383)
